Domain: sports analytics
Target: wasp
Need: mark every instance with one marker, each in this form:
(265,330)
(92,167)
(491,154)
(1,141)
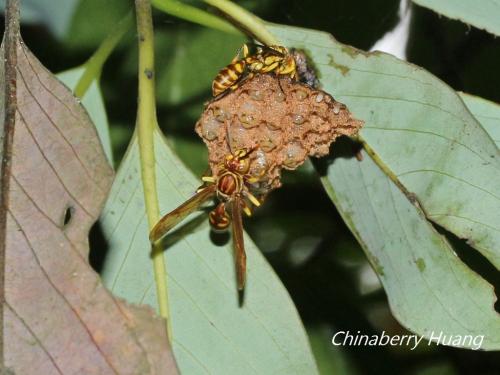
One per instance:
(267,59)
(305,71)
(231,186)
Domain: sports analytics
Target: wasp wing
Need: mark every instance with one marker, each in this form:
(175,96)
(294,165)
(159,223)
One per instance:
(171,219)
(240,257)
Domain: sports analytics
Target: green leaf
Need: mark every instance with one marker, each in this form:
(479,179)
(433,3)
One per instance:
(429,146)
(331,359)
(93,20)
(483,15)
(430,290)
(420,130)
(94,104)
(199,55)
(54,14)
(212,333)
(486,112)
(192,152)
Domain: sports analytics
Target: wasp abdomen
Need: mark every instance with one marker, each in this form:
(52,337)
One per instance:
(218,218)
(227,77)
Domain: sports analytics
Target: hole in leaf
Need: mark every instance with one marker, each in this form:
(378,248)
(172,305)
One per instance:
(68,214)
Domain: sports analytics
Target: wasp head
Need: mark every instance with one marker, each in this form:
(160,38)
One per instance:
(238,162)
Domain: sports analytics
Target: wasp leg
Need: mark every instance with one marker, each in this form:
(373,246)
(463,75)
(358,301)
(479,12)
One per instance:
(253,180)
(269,68)
(252,198)
(246,208)
(210,179)
(206,180)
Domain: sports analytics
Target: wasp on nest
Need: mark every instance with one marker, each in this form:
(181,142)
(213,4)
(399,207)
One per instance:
(261,120)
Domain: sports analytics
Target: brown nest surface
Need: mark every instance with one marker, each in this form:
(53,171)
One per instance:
(280,120)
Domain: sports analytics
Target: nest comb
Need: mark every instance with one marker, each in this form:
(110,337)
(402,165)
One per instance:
(281,120)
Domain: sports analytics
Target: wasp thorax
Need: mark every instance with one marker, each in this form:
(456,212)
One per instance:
(287,123)
(227,184)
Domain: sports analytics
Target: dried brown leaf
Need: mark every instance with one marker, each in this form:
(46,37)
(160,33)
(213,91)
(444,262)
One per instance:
(56,315)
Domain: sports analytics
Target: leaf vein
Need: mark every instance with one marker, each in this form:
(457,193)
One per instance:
(63,297)
(52,167)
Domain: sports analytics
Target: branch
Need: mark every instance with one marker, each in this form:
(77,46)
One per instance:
(93,66)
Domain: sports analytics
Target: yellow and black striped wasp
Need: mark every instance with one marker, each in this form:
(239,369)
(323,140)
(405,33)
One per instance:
(266,59)
(231,185)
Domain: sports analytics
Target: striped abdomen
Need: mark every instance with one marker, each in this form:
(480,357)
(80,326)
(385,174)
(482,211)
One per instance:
(218,218)
(228,77)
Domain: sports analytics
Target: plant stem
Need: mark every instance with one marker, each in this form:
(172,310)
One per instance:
(94,64)
(195,15)
(248,21)
(146,127)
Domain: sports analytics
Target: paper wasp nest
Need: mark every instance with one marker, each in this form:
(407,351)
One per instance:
(281,120)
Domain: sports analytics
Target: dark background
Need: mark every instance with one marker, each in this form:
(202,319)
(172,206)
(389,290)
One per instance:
(298,229)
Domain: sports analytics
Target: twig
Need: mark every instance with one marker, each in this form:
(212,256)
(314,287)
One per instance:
(94,64)
(195,15)
(246,20)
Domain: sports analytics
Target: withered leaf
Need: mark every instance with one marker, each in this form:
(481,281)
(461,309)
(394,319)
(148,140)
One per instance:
(56,316)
